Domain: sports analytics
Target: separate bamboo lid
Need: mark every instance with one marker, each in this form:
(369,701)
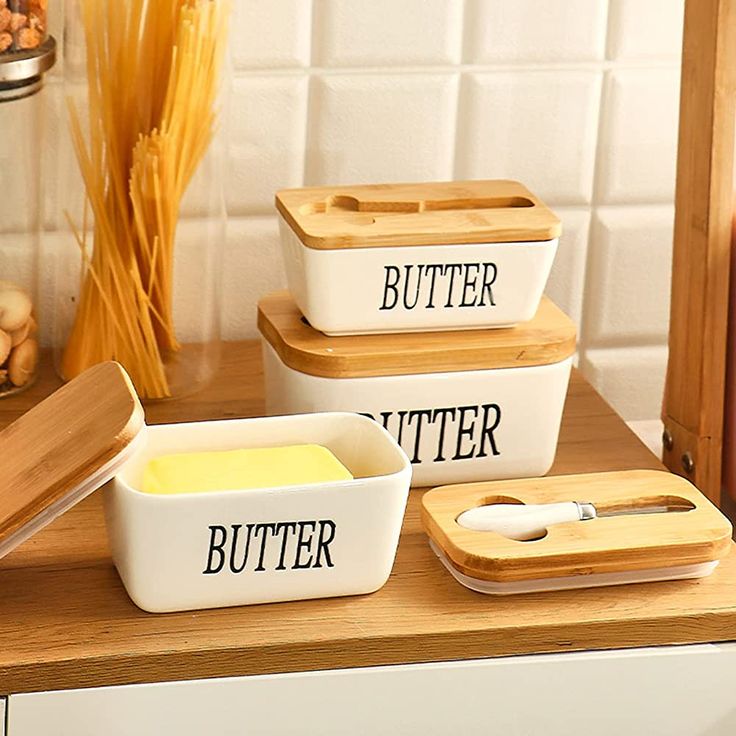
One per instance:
(64,448)
(436,213)
(603,545)
(548,338)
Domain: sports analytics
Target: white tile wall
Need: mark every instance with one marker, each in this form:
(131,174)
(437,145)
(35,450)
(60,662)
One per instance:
(267,136)
(577,98)
(645,29)
(536,126)
(503,32)
(567,280)
(381,127)
(633,382)
(638,143)
(627,299)
(409,32)
(271,34)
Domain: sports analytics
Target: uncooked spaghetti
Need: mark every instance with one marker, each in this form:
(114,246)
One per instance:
(153,69)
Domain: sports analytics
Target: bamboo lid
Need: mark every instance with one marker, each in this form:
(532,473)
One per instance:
(548,338)
(64,448)
(436,213)
(603,545)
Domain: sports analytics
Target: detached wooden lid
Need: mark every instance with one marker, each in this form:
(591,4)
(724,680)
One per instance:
(603,545)
(64,448)
(437,213)
(548,338)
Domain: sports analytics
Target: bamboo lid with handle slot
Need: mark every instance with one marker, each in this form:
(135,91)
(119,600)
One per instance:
(434,213)
(548,338)
(694,532)
(64,448)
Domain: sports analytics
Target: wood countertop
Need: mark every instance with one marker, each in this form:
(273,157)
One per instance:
(66,621)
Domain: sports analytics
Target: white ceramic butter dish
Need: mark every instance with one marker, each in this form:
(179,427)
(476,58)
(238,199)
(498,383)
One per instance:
(227,548)
(464,405)
(185,551)
(416,257)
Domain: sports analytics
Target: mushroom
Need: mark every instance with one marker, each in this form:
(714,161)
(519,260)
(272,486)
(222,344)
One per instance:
(17,336)
(32,325)
(15,307)
(6,344)
(22,363)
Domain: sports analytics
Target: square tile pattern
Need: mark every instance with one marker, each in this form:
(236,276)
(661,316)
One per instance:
(629,266)
(503,32)
(576,98)
(268,136)
(637,150)
(645,29)
(356,33)
(539,127)
(271,34)
(381,128)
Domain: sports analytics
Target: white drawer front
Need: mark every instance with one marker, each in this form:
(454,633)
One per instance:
(668,691)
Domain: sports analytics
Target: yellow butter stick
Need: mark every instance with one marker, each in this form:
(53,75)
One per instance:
(261,467)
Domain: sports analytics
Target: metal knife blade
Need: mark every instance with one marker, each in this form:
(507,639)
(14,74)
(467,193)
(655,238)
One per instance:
(590,511)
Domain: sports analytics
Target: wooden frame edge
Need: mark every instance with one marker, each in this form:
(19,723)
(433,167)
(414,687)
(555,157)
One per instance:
(693,407)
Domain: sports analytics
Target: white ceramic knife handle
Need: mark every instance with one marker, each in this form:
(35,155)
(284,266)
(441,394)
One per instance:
(519,521)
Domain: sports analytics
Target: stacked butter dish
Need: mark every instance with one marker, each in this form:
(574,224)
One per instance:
(422,307)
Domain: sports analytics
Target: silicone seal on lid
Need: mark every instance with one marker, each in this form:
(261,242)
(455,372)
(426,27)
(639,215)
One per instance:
(65,448)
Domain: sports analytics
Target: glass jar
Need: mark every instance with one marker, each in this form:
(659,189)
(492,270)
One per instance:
(22,25)
(21,123)
(139,271)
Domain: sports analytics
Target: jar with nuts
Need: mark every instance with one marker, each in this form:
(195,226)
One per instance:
(18,340)
(22,25)
(26,54)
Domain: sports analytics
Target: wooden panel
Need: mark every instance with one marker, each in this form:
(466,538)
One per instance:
(53,449)
(438,213)
(548,338)
(67,622)
(608,544)
(694,394)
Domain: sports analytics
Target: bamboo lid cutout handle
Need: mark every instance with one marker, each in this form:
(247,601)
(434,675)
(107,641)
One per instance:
(53,452)
(430,213)
(342,204)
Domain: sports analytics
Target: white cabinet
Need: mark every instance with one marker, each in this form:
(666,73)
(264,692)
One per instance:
(667,691)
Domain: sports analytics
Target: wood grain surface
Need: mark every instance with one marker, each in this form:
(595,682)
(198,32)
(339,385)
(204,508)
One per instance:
(434,213)
(701,264)
(548,338)
(602,545)
(52,449)
(66,622)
